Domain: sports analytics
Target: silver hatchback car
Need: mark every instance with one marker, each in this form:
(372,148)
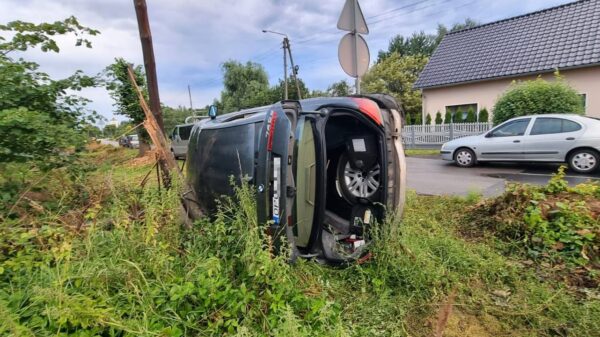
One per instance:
(573,139)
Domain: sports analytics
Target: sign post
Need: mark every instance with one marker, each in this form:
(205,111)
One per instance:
(353,52)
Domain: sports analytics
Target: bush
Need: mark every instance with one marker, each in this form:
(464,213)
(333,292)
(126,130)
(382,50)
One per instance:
(438,118)
(484,116)
(34,136)
(458,117)
(537,97)
(471,116)
(448,117)
(428,120)
(418,119)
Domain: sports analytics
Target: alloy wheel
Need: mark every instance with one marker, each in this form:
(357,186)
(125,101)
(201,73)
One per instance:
(362,184)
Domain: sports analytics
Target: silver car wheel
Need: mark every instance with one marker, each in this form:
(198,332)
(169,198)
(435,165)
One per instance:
(464,158)
(361,184)
(584,161)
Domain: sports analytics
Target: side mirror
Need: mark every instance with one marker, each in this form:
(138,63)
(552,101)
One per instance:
(488,135)
(212,111)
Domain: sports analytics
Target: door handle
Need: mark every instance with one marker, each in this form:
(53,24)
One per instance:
(516,141)
(570,138)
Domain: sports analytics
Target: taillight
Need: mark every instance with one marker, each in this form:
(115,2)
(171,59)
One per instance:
(369,108)
(271,130)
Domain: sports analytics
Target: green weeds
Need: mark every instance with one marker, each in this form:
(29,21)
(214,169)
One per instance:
(124,266)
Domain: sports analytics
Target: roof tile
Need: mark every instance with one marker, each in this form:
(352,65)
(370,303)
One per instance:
(563,36)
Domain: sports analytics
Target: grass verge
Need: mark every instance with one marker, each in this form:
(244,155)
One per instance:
(125,267)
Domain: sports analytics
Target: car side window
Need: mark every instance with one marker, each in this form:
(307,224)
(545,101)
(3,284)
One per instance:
(511,129)
(547,125)
(184,132)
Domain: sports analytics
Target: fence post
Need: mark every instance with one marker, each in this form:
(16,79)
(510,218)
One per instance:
(451,130)
(412,136)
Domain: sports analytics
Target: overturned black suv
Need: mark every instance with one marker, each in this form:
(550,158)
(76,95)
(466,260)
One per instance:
(324,169)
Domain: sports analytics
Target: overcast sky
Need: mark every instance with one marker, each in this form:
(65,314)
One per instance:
(193,38)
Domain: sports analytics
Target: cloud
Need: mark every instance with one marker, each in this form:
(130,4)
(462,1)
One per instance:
(193,38)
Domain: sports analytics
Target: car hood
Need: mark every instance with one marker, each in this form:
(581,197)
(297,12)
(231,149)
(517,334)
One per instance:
(464,141)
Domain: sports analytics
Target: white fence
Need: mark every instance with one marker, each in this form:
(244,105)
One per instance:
(419,135)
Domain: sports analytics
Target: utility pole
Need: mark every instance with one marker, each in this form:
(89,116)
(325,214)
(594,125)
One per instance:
(141,11)
(294,68)
(287,51)
(285,79)
(190,95)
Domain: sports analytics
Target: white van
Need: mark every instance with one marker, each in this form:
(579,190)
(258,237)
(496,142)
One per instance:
(179,140)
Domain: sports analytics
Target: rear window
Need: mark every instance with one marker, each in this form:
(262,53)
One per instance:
(547,125)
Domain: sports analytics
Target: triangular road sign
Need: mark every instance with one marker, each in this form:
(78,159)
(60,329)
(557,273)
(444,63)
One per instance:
(352,18)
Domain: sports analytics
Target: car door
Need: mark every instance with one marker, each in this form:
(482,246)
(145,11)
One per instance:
(551,138)
(505,142)
(274,175)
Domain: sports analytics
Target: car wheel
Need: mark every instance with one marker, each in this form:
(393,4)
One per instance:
(464,157)
(584,161)
(355,183)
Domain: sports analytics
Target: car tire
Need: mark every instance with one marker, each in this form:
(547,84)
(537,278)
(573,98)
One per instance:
(354,184)
(464,157)
(584,161)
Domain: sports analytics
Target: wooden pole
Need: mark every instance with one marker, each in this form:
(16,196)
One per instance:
(169,167)
(141,12)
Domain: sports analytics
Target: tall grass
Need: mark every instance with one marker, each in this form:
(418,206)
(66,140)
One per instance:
(131,269)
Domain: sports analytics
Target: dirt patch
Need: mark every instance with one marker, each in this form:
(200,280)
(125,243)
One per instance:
(148,158)
(462,324)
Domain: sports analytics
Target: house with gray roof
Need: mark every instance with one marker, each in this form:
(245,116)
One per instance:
(471,68)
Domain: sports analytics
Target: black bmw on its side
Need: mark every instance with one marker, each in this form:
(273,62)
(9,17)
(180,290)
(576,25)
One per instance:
(324,169)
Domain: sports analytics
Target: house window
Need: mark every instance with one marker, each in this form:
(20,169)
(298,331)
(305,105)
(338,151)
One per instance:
(459,112)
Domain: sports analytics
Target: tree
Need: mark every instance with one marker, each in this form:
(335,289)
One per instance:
(428,119)
(125,96)
(40,120)
(471,116)
(174,116)
(537,97)
(420,43)
(457,117)
(484,116)
(339,89)
(418,120)
(395,76)
(110,131)
(245,86)
(448,117)
(438,118)
(277,92)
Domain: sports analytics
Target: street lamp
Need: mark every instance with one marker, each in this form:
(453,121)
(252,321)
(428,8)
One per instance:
(287,51)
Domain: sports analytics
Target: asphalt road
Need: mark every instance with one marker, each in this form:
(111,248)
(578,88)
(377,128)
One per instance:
(434,176)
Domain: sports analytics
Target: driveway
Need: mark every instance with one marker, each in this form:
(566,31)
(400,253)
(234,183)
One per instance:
(434,176)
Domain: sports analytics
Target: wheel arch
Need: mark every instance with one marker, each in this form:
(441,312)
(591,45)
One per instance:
(573,150)
(463,147)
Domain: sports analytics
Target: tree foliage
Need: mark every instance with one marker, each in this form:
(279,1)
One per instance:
(484,115)
(438,118)
(537,97)
(340,89)
(428,119)
(420,43)
(51,112)
(122,91)
(33,136)
(471,116)
(277,92)
(448,117)
(245,86)
(396,75)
